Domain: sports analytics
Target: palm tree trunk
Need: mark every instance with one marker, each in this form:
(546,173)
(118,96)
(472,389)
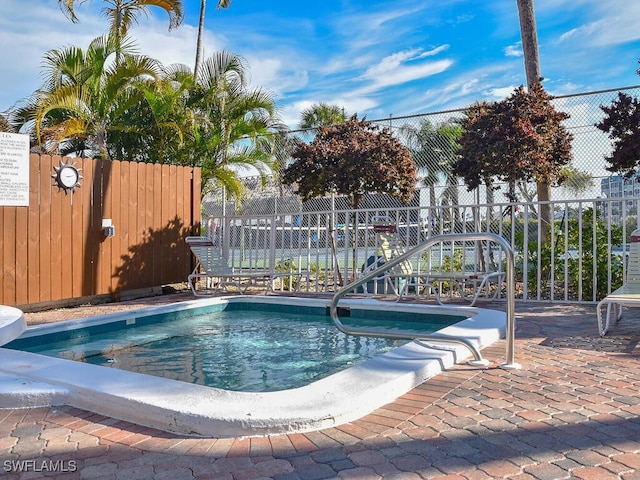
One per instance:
(117,30)
(545,217)
(529,41)
(196,67)
(532,69)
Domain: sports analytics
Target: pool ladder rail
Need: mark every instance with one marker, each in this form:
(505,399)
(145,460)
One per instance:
(509,364)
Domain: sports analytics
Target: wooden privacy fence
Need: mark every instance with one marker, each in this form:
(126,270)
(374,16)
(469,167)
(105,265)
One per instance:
(56,248)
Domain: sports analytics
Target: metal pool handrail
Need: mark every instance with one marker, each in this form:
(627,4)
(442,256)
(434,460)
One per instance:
(451,237)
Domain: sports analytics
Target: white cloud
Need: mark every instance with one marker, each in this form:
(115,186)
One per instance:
(462,89)
(391,63)
(580,33)
(357,104)
(393,70)
(275,75)
(407,74)
(608,23)
(434,51)
(177,46)
(514,50)
(499,93)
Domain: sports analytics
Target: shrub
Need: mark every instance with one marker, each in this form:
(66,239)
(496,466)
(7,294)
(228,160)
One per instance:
(587,265)
(289,282)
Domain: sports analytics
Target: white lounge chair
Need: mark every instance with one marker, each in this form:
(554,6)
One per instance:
(626,296)
(399,279)
(211,265)
(478,283)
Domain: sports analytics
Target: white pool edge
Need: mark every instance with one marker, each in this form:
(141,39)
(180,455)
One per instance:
(29,380)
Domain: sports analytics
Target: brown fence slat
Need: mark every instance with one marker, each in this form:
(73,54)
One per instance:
(44,216)
(114,242)
(9,255)
(132,218)
(180,257)
(56,227)
(156,223)
(21,239)
(196,181)
(104,265)
(34,242)
(66,243)
(89,241)
(141,214)
(168,232)
(77,235)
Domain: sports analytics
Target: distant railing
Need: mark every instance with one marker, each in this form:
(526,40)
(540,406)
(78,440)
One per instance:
(582,260)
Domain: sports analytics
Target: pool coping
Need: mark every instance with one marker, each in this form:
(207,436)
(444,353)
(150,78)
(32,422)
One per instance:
(29,380)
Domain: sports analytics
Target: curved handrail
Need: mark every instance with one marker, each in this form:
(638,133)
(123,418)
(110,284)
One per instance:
(450,237)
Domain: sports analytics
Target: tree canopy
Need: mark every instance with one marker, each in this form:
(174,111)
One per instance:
(85,98)
(622,124)
(321,115)
(139,110)
(353,158)
(122,13)
(519,138)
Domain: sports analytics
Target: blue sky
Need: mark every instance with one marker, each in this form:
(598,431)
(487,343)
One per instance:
(373,57)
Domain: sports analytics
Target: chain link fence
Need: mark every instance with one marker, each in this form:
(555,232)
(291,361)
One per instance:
(433,154)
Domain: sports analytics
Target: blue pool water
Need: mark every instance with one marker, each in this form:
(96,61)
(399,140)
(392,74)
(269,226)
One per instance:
(235,349)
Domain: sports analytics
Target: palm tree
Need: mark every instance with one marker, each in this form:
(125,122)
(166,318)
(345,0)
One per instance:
(322,115)
(163,116)
(84,98)
(123,13)
(203,8)
(433,151)
(446,150)
(229,122)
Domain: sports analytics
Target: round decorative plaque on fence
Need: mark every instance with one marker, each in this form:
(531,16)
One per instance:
(67,177)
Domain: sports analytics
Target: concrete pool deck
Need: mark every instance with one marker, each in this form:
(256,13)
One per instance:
(572,411)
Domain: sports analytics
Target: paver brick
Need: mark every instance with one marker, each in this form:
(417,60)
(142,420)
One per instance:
(367,457)
(100,470)
(630,460)
(410,463)
(593,473)
(547,471)
(315,471)
(328,455)
(359,473)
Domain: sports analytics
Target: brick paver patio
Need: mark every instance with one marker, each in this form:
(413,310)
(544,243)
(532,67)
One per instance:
(572,411)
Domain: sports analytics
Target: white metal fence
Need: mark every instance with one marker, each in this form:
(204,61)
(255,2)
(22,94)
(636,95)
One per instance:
(583,260)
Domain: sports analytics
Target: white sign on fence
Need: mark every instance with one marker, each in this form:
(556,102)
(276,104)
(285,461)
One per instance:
(14,169)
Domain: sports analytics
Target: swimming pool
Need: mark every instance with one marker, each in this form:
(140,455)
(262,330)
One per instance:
(31,379)
(231,346)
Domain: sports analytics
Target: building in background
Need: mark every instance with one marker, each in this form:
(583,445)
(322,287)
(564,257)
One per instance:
(626,189)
